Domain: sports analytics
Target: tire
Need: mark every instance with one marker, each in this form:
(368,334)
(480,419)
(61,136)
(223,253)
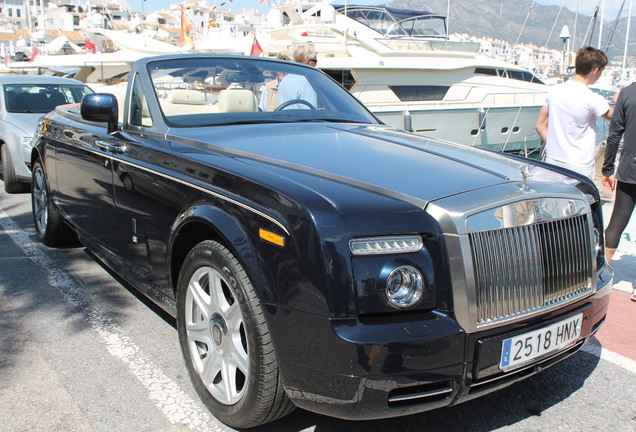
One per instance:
(11,182)
(225,340)
(50,226)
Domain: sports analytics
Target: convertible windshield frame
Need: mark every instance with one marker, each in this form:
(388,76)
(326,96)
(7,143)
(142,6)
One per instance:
(215,91)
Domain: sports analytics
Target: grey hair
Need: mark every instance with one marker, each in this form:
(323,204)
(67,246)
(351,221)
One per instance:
(304,52)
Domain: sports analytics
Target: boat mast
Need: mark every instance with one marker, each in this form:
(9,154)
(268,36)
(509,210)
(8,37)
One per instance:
(629,19)
(600,28)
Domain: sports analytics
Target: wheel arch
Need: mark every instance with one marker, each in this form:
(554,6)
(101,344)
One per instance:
(207,222)
(35,155)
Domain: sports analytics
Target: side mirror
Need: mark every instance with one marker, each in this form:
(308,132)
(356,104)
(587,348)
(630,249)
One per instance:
(101,107)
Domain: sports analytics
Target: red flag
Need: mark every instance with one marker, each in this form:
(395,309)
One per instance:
(256,48)
(34,53)
(90,46)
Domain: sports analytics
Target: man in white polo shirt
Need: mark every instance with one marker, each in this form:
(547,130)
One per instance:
(567,121)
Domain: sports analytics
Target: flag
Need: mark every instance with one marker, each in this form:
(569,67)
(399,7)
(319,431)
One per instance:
(264,2)
(34,53)
(212,22)
(90,46)
(256,48)
(186,28)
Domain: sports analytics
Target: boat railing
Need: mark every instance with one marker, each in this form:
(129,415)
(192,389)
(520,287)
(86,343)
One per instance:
(415,44)
(530,147)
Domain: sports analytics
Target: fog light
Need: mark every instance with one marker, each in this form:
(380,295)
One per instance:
(404,287)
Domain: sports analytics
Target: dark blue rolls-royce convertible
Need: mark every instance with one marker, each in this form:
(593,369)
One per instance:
(312,256)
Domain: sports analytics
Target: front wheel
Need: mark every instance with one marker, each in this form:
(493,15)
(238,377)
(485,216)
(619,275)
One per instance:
(11,182)
(50,225)
(225,340)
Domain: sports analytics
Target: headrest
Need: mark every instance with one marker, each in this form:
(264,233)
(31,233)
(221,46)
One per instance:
(236,77)
(186,96)
(236,100)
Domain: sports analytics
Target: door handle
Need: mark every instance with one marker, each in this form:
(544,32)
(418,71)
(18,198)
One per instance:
(110,146)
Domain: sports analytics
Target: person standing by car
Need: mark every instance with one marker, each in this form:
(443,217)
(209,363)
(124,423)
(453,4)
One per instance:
(296,87)
(567,121)
(623,180)
(269,94)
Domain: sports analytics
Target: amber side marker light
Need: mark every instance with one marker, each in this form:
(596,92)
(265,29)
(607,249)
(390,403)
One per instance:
(271,237)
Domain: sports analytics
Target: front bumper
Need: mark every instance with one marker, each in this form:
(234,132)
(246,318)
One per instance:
(381,367)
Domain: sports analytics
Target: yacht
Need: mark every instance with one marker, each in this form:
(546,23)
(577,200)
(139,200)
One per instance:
(404,67)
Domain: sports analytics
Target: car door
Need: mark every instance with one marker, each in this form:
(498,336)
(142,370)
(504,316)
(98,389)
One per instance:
(147,199)
(148,203)
(84,176)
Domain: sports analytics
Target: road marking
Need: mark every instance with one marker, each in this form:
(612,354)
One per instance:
(610,356)
(166,394)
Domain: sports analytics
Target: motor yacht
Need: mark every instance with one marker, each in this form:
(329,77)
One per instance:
(405,68)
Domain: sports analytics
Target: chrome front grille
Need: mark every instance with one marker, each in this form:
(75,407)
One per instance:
(523,269)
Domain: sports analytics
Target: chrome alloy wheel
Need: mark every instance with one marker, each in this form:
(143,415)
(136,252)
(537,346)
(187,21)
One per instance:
(216,335)
(40,200)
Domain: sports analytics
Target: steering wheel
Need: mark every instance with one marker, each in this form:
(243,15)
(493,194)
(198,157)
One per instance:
(294,102)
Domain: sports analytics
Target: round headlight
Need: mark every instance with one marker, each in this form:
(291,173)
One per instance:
(404,287)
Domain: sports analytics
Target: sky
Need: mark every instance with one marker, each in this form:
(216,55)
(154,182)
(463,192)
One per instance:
(584,7)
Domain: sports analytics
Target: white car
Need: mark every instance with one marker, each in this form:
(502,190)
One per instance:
(24,99)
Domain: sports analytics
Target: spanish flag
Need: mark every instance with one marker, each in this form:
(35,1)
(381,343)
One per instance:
(186,28)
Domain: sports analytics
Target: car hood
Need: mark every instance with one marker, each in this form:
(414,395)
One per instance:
(375,158)
(26,122)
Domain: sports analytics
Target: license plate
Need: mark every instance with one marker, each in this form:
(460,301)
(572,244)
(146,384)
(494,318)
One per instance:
(519,350)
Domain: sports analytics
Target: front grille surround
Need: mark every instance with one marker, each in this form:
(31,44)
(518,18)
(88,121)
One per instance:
(507,209)
(526,269)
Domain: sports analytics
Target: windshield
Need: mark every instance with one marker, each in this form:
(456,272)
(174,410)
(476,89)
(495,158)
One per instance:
(398,22)
(215,91)
(41,98)
(425,26)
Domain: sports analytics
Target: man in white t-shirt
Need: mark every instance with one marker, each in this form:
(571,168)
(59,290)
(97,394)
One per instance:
(567,121)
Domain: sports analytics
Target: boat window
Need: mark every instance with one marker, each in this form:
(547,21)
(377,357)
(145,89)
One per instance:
(342,77)
(518,75)
(139,112)
(377,19)
(394,22)
(486,71)
(513,74)
(425,26)
(528,76)
(207,91)
(420,93)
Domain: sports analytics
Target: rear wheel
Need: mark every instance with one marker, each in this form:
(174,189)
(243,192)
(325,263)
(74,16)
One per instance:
(50,226)
(225,340)
(11,182)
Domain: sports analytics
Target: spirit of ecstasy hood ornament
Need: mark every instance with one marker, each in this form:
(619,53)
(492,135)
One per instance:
(525,173)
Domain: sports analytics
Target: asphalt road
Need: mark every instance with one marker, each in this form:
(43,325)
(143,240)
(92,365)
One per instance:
(80,351)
